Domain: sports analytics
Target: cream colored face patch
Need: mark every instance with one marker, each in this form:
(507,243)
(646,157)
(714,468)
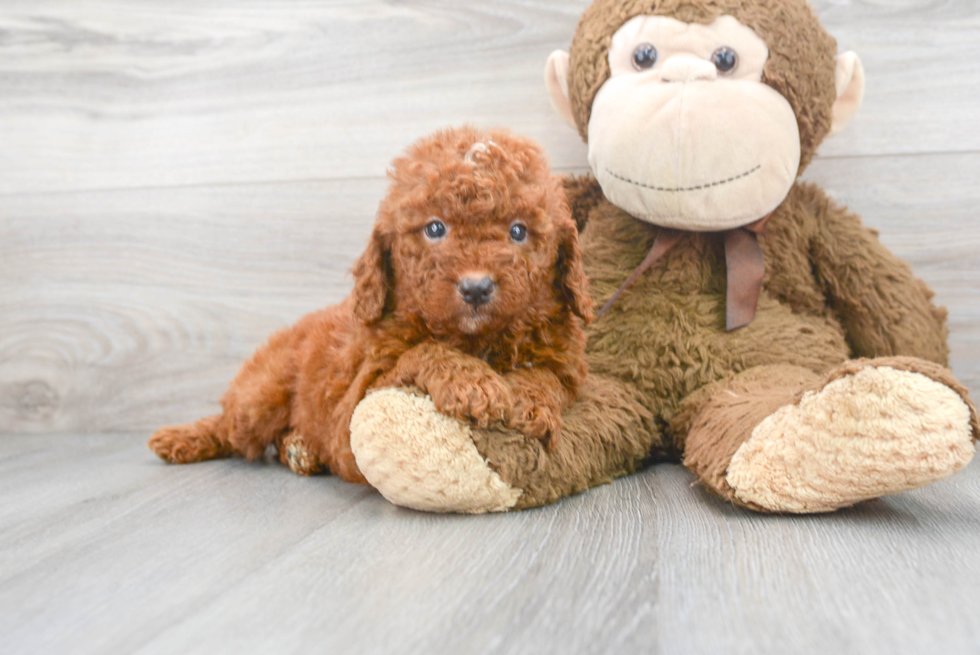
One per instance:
(684,134)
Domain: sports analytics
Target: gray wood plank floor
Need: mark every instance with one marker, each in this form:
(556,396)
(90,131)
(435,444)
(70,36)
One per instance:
(105,551)
(178,179)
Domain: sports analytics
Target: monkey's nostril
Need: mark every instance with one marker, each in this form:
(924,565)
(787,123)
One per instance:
(476,291)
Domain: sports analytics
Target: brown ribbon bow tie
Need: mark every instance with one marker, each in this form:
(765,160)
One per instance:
(744,262)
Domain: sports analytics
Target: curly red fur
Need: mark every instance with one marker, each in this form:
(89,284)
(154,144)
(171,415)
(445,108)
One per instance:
(517,360)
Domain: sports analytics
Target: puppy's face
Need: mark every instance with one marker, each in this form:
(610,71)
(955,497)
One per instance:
(477,236)
(475,269)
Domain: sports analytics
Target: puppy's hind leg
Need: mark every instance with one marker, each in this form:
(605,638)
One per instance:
(256,410)
(193,442)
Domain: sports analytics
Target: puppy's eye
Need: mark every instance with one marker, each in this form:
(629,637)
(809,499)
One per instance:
(644,57)
(435,230)
(518,233)
(725,59)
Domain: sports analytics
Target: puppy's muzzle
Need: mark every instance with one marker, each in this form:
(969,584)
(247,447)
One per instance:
(476,291)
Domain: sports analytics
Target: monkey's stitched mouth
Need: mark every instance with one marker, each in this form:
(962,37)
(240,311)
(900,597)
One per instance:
(688,188)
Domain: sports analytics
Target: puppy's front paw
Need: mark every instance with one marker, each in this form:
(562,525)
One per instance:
(482,398)
(536,422)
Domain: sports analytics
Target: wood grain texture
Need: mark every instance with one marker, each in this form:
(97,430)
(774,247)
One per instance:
(127,310)
(182,179)
(123,306)
(105,550)
(100,94)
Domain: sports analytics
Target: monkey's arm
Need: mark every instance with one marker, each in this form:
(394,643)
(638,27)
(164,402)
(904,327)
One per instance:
(583,193)
(883,307)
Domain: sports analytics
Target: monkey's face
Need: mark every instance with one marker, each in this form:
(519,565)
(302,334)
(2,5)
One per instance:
(684,134)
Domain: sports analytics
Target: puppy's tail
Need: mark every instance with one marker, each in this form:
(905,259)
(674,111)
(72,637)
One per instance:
(192,442)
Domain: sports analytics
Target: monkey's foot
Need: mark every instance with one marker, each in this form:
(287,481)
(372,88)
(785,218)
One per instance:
(419,458)
(872,430)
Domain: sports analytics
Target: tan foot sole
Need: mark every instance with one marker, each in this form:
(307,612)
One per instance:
(876,432)
(419,458)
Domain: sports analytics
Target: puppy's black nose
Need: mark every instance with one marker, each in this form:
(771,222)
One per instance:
(476,291)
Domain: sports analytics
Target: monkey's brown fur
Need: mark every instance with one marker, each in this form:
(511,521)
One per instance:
(405,323)
(662,354)
(662,365)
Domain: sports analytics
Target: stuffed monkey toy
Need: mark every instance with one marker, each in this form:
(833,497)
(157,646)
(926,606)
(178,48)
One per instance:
(753,329)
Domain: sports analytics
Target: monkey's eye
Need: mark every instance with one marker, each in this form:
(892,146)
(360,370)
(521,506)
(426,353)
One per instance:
(725,59)
(644,57)
(518,233)
(435,230)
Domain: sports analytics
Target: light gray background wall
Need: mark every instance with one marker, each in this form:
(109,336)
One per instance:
(178,179)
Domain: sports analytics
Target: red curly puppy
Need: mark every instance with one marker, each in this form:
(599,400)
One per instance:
(467,290)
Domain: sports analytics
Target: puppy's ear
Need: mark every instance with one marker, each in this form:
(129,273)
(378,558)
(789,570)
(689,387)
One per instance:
(371,279)
(571,274)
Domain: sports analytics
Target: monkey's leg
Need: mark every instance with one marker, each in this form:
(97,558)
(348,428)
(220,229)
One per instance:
(781,439)
(255,410)
(419,458)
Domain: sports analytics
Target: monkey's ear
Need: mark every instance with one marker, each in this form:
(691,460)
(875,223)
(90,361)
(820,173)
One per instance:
(571,273)
(849,78)
(371,279)
(556,79)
